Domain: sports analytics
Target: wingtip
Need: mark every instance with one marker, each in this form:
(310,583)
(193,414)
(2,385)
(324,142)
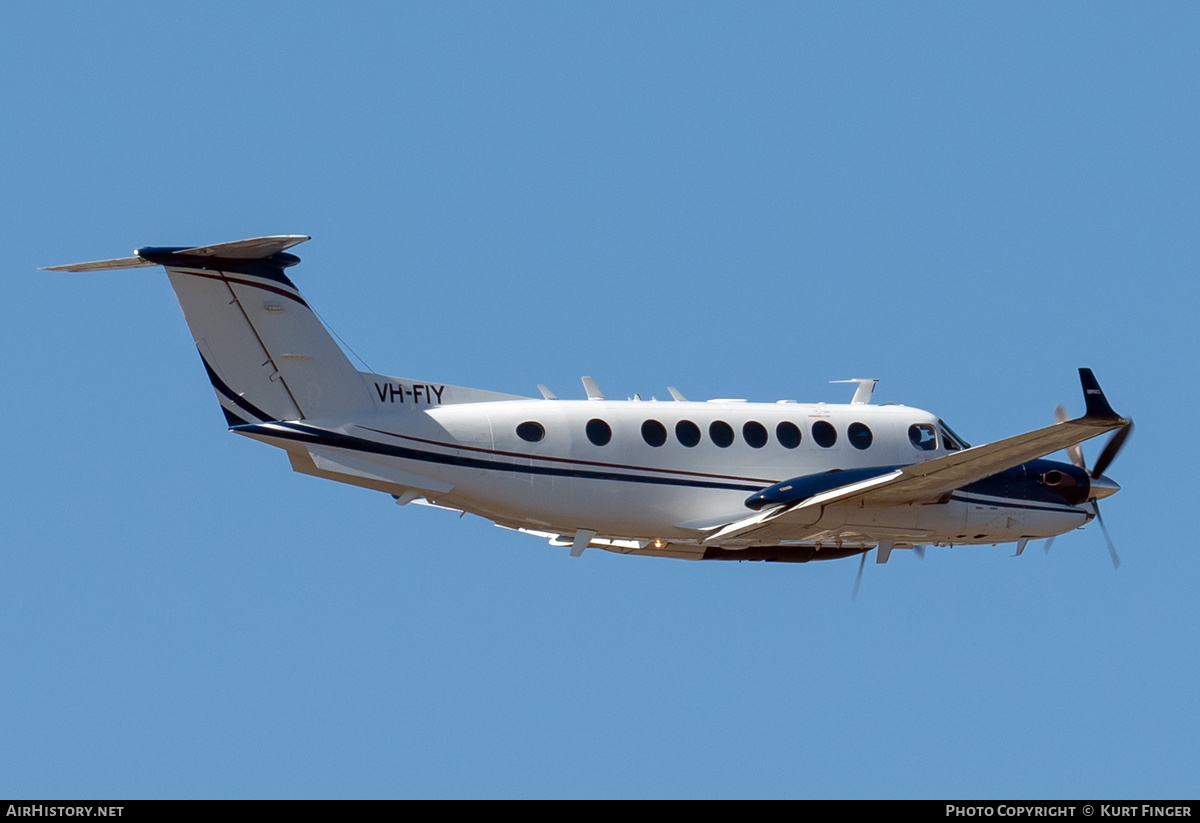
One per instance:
(1097,404)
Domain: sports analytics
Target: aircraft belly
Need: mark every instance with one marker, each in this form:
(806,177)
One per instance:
(625,509)
(567,505)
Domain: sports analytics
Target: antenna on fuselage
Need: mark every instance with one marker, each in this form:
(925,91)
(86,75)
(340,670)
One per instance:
(676,395)
(593,391)
(546,393)
(862,395)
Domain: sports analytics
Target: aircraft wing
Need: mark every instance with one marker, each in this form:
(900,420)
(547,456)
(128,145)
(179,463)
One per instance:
(929,481)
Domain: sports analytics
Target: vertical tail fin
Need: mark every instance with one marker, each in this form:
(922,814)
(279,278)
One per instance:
(265,351)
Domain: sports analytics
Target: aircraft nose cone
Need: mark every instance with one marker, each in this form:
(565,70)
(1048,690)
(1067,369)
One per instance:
(1102,487)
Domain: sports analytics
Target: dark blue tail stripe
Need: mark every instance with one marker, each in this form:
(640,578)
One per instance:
(229,394)
(232,419)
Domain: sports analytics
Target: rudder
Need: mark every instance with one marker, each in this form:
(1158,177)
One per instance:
(267,354)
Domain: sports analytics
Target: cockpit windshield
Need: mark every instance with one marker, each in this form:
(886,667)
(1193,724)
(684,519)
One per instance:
(922,437)
(951,442)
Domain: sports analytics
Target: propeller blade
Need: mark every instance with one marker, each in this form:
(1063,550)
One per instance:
(1112,550)
(1049,543)
(858,579)
(1112,448)
(919,551)
(1074,452)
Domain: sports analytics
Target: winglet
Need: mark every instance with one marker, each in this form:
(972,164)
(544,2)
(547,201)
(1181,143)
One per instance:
(1093,396)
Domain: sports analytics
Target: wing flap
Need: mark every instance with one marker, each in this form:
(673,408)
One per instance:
(802,515)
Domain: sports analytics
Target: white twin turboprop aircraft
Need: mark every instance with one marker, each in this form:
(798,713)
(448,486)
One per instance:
(715,480)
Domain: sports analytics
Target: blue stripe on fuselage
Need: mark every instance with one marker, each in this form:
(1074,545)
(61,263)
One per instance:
(1029,493)
(322,437)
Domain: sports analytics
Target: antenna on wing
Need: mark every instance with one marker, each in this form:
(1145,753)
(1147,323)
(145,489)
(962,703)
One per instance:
(862,395)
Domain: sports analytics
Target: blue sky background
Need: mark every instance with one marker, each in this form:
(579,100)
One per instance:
(967,201)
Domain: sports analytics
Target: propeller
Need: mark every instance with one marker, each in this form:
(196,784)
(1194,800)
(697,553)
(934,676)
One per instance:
(858,579)
(918,550)
(1112,550)
(1111,449)
(1074,452)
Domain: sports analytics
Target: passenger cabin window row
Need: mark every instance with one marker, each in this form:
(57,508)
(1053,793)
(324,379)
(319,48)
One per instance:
(922,436)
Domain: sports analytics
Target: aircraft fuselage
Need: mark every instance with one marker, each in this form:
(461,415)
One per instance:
(668,469)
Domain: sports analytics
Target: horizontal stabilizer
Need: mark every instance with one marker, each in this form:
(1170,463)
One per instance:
(256,248)
(103,265)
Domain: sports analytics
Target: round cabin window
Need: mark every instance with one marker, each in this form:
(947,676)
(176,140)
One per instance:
(788,434)
(654,433)
(687,433)
(721,433)
(531,432)
(859,435)
(755,434)
(598,432)
(824,433)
